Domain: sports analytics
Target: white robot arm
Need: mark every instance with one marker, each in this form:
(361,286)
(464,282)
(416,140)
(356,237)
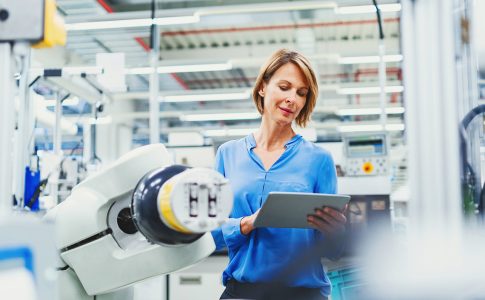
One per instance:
(140,218)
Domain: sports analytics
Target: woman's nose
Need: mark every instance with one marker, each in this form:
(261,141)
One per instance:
(291,97)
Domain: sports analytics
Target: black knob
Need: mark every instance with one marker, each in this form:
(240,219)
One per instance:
(125,221)
(3,15)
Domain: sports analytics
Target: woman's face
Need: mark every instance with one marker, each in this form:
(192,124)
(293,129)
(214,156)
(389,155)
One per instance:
(284,95)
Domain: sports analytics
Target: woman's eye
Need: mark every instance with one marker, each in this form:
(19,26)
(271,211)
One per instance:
(302,94)
(283,88)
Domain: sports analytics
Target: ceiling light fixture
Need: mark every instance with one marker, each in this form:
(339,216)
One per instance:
(368,59)
(175,20)
(370,127)
(267,7)
(367,9)
(206,97)
(181,69)
(368,111)
(221,117)
(128,23)
(369,90)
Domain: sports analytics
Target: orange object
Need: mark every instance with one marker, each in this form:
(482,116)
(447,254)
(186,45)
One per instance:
(368,167)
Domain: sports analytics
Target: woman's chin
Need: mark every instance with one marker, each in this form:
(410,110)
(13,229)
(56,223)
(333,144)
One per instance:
(284,122)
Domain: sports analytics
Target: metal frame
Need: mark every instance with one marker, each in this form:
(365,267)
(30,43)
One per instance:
(432,119)
(7,110)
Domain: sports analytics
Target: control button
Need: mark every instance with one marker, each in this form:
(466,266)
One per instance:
(3,15)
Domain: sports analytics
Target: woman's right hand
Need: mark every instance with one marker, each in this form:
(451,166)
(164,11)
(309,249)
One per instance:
(247,223)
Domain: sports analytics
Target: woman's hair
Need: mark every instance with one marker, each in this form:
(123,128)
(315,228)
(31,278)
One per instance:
(276,61)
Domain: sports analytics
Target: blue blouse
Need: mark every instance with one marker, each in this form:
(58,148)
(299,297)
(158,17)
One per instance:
(266,252)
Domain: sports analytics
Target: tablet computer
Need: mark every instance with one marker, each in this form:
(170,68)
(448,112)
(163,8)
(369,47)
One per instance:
(290,210)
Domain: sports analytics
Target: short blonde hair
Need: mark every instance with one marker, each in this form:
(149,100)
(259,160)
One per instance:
(276,61)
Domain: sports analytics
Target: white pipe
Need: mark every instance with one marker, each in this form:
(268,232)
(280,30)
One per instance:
(57,126)
(7,110)
(382,82)
(24,124)
(47,118)
(154,89)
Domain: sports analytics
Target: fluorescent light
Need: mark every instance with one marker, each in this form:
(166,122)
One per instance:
(369,111)
(229,132)
(132,23)
(195,68)
(370,90)
(68,102)
(181,68)
(365,9)
(395,127)
(139,71)
(177,20)
(368,59)
(268,7)
(221,117)
(370,127)
(206,97)
(109,24)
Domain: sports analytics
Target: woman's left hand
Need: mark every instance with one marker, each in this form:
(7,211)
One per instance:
(328,220)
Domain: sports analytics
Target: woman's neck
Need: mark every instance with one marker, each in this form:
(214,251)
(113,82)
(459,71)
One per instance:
(271,136)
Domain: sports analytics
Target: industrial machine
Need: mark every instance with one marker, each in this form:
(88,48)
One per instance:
(141,217)
(366,177)
(366,154)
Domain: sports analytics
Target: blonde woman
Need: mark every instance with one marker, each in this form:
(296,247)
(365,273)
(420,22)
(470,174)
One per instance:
(275,158)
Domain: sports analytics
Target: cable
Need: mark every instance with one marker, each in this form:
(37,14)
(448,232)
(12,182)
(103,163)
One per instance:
(152,26)
(472,189)
(93,85)
(34,81)
(379,20)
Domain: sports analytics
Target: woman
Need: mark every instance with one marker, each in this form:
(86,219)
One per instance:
(262,261)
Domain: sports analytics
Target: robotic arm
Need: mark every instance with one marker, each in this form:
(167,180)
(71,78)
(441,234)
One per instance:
(140,218)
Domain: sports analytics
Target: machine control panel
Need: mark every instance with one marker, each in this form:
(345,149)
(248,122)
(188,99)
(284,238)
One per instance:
(366,154)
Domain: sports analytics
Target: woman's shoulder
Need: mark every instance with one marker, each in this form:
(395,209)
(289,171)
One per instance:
(316,151)
(232,145)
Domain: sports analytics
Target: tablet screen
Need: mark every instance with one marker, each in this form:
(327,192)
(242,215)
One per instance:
(290,210)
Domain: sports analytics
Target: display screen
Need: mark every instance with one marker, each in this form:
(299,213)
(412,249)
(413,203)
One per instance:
(368,147)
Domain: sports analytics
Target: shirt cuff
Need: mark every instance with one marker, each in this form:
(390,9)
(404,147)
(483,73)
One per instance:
(231,231)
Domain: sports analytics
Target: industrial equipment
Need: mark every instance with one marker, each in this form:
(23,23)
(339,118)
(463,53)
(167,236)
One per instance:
(366,154)
(141,217)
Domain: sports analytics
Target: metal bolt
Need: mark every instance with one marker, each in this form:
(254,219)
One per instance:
(3,15)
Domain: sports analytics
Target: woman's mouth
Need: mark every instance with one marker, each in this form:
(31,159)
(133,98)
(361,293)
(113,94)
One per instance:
(285,110)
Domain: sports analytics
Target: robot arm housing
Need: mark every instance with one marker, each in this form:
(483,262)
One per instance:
(140,218)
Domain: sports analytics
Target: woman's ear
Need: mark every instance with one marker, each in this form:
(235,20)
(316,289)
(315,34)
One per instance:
(262,89)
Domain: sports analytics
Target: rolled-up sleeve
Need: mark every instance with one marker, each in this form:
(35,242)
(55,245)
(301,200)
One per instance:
(229,234)
(217,234)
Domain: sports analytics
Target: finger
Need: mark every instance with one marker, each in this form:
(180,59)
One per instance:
(319,224)
(335,214)
(326,217)
(346,208)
